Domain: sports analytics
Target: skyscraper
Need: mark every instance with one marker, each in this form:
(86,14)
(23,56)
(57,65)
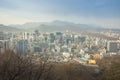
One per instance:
(113,46)
(2,36)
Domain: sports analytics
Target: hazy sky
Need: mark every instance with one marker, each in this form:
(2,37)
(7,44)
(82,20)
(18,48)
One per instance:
(101,12)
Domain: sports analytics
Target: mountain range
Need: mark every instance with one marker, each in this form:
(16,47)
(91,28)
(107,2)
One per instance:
(8,28)
(55,26)
(51,26)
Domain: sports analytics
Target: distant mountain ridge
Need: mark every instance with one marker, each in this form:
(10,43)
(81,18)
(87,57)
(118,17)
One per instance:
(8,28)
(56,25)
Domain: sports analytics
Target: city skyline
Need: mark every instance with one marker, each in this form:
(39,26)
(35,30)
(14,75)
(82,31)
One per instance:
(104,13)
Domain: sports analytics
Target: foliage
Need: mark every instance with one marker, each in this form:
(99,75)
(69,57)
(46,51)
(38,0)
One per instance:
(110,68)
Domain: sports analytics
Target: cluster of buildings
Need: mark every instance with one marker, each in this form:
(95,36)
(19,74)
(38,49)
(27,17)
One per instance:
(59,46)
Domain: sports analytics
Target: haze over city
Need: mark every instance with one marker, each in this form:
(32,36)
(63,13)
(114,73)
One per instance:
(59,39)
(104,13)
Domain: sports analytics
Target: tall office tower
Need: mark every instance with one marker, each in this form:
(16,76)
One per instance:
(25,36)
(2,35)
(22,47)
(113,46)
(52,37)
(59,36)
(73,37)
